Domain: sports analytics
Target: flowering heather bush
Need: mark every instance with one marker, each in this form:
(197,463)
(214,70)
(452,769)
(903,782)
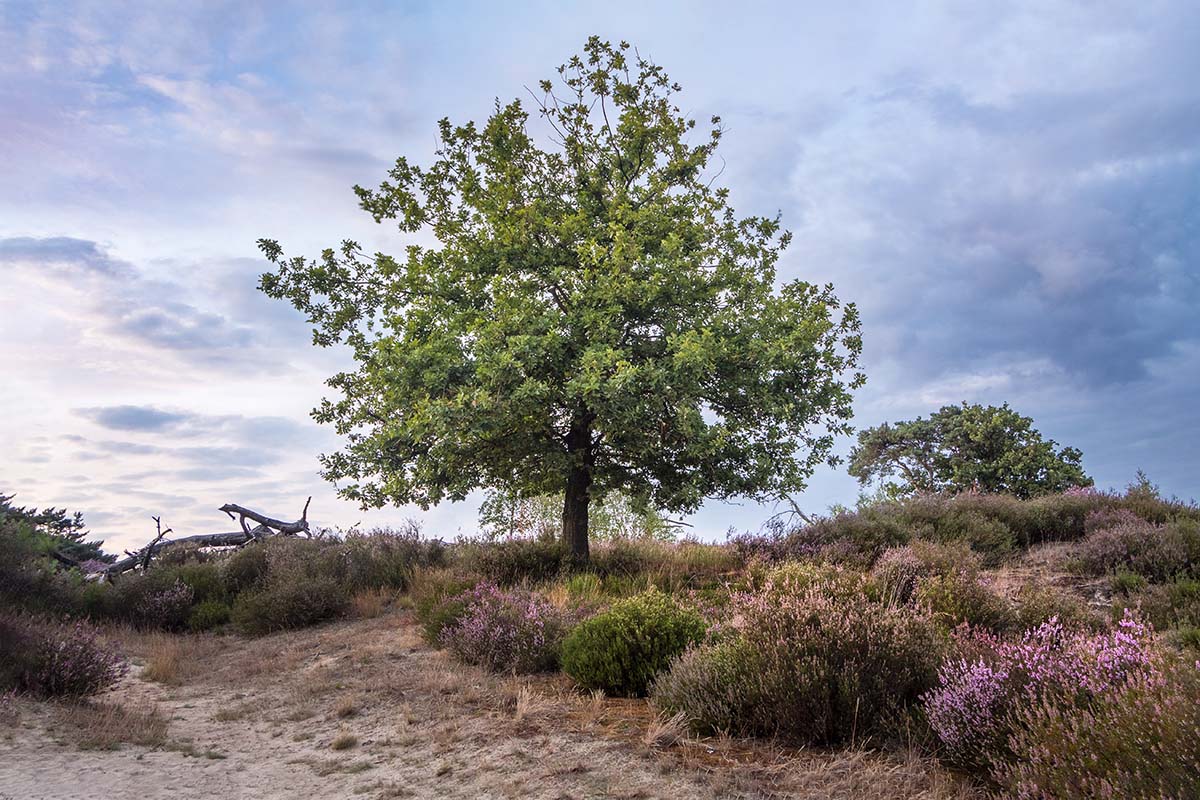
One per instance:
(507,631)
(1140,741)
(1157,552)
(56,659)
(814,665)
(972,710)
(621,650)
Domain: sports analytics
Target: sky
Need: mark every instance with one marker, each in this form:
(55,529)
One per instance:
(1010,193)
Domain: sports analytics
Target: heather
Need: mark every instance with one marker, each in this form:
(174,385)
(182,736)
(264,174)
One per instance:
(56,659)
(814,661)
(974,708)
(1139,740)
(506,630)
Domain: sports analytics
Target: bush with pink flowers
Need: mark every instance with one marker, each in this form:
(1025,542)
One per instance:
(1140,740)
(507,630)
(52,659)
(973,711)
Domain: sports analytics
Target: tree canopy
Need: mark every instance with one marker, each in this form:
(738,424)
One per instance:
(988,448)
(592,317)
(62,532)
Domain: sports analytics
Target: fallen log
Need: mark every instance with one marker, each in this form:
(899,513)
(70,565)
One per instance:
(266,527)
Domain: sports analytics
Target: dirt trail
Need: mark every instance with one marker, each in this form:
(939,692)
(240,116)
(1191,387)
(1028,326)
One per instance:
(364,710)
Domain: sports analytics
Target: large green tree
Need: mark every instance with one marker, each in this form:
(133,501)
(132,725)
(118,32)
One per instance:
(593,316)
(989,448)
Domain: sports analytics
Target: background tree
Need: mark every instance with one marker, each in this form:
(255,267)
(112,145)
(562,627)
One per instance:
(63,532)
(506,514)
(593,317)
(989,448)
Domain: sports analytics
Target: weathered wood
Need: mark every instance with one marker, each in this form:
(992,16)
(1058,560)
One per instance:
(243,514)
(267,526)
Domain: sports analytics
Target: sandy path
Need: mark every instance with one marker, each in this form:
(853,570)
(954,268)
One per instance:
(259,718)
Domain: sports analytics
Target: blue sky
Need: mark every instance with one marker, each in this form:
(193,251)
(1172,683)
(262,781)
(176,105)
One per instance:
(1009,191)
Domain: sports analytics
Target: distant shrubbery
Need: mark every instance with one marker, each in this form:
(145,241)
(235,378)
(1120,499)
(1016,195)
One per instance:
(992,525)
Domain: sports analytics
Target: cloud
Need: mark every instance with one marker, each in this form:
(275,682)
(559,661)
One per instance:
(133,418)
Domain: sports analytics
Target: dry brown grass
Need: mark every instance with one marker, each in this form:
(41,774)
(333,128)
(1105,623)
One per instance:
(174,659)
(106,726)
(344,741)
(664,731)
(346,707)
(370,603)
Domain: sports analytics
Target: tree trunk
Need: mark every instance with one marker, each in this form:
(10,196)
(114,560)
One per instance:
(579,485)
(575,512)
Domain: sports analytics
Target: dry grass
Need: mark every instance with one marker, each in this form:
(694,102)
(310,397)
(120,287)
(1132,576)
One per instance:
(344,741)
(174,659)
(664,731)
(10,715)
(106,726)
(528,704)
(370,603)
(346,707)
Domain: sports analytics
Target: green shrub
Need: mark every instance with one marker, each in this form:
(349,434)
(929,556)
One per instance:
(29,579)
(439,601)
(385,558)
(245,568)
(289,604)
(898,570)
(305,582)
(208,614)
(203,578)
(621,650)
(1165,605)
(815,666)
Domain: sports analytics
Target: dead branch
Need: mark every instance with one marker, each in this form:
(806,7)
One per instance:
(265,528)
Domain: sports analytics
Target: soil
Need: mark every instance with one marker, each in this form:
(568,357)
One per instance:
(364,709)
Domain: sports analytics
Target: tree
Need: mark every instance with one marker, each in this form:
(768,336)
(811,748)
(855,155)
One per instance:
(988,448)
(593,316)
(63,532)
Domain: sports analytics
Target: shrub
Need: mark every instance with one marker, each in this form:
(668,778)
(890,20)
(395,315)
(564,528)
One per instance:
(29,579)
(284,604)
(517,560)
(439,600)
(56,659)
(816,666)
(972,709)
(963,597)
(1141,741)
(621,650)
(208,615)
(1157,552)
(507,631)
(245,568)
(900,569)
(1165,605)
(385,558)
(1039,604)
